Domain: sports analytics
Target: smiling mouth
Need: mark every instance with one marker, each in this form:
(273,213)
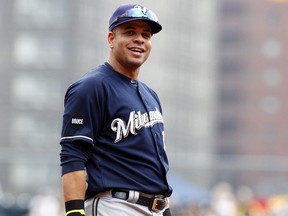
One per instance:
(137,50)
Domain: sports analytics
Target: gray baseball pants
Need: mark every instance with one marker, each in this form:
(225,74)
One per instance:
(104,204)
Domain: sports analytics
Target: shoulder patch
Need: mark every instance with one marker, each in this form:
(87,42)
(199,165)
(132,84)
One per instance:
(77,121)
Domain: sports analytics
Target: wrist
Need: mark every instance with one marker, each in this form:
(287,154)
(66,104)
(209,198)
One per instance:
(75,208)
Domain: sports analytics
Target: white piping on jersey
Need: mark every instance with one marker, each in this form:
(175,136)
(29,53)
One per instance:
(80,136)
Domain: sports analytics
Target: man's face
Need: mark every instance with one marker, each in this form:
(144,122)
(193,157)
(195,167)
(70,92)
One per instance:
(130,43)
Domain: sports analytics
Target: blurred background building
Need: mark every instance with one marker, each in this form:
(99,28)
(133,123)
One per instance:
(251,123)
(219,67)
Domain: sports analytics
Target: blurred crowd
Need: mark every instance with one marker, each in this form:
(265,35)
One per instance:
(47,202)
(223,201)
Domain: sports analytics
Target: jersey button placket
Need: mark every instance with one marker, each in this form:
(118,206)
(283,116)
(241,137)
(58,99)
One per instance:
(143,99)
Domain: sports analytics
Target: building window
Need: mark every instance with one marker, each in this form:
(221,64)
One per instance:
(231,95)
(231,37)
(273,16)
(270,135)
(272,48)
(270,105)
(32,129)
(36,92)
(227,148)
(228,125)
(272,77)
(40,14)
(232,8)
(229,65)
(39,51)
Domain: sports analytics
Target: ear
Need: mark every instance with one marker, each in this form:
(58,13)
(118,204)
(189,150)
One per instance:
(111,37)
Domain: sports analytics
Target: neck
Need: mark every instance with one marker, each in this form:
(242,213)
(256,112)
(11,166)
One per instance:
(127,70)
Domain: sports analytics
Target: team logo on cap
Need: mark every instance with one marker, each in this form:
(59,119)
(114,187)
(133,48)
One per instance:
(144,9)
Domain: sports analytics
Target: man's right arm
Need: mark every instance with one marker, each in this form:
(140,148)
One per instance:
(74,185)
(74,188)
(73,158)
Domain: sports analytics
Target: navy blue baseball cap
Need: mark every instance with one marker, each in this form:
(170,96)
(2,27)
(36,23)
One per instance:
(130,12)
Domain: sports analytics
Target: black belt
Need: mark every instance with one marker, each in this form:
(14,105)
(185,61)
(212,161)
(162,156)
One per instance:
(154,202)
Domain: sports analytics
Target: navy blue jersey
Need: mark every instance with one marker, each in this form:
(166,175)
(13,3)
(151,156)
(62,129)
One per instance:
(113,128)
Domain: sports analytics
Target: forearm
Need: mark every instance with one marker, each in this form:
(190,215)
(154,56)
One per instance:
(74,185)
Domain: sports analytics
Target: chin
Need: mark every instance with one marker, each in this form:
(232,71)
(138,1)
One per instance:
(136,64)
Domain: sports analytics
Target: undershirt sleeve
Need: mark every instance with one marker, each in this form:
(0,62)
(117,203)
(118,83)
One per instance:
(74,156)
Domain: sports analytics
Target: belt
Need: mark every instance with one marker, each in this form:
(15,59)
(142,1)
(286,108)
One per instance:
(155,203)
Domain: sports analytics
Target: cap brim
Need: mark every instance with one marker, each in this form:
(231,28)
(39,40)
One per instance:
(155,26)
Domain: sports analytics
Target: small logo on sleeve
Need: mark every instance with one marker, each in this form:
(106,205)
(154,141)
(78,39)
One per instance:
(77,121)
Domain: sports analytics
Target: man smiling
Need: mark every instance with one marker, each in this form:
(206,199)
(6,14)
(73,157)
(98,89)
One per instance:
(114,162)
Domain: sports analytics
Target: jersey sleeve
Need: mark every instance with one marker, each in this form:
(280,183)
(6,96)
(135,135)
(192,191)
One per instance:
(82,117)
(82,113)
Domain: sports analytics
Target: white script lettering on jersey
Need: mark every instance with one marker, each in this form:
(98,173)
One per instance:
(136,121)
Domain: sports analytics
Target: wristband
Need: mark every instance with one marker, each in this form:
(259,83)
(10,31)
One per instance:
(75,208)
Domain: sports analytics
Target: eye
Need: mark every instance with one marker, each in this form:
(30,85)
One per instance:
(146,35)
(130,32)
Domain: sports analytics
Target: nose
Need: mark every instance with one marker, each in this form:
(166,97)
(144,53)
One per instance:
(139,39)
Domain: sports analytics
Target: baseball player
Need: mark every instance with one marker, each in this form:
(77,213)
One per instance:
(113,151)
